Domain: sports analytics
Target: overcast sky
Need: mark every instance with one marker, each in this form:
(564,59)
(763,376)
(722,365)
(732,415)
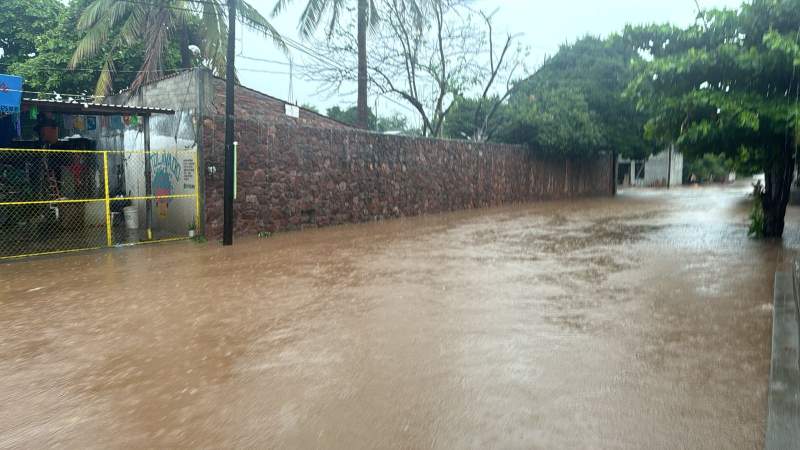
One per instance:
(544,24)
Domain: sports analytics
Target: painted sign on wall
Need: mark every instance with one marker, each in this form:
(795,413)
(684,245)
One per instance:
(166,175)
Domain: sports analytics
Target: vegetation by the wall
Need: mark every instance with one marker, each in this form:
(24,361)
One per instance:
(575,104)
(709,168)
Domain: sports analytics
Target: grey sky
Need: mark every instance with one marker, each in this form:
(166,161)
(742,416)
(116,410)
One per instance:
(544,24)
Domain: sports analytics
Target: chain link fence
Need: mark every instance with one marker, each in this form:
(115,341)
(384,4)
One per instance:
(56,201)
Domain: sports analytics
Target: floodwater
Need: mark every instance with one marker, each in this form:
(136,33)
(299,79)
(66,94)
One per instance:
(641,321)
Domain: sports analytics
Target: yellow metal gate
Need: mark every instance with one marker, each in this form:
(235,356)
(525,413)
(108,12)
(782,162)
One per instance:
(57,201)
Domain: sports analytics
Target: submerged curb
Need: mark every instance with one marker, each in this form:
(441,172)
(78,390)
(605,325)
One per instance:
(783,419)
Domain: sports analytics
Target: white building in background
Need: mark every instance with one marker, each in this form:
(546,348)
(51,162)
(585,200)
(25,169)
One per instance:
(656,171)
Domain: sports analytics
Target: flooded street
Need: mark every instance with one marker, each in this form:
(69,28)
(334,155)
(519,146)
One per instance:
(641,321)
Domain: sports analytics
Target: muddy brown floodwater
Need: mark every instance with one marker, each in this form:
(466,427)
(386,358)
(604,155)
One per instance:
(641,321)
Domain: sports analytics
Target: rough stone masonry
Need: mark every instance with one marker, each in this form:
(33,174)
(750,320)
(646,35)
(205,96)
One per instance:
(292,177)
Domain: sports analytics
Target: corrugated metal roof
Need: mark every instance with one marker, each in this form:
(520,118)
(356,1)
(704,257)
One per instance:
(156,80)
(86,108)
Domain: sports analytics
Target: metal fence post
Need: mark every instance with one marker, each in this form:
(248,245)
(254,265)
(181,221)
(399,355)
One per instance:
(148,178)
(196,196)
(108,199)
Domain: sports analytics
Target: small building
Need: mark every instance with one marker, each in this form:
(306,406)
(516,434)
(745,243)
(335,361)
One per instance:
(659,170)
(69,177)
(78,175)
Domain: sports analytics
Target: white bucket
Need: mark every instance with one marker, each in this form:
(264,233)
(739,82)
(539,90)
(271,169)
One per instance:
(131,217)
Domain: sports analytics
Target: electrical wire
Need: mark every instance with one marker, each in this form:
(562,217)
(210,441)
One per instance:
(176,70)
(78,69)
(269,61)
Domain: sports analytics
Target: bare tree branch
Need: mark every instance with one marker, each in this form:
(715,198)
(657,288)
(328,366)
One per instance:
(426,54)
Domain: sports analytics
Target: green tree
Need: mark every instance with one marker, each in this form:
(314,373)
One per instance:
(310,107)
(21,21)
(111,26)
(395,123)
(46,71)
(350,116)
(729,83)
(468,114)
(598,71)
(556,120)
(708,168)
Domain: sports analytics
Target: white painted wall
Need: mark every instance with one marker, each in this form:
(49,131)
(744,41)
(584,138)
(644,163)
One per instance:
(172,168)
(657,167)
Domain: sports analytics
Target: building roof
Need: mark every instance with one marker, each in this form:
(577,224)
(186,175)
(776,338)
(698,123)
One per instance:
(211,74)
(92,109)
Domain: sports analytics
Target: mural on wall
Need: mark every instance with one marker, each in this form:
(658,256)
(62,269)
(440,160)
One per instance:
(166,175)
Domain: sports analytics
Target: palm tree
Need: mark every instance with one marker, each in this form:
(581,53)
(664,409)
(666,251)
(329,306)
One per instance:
(310,20)
(111,25)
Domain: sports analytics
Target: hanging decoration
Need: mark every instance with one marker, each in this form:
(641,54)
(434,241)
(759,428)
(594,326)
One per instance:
(34,113)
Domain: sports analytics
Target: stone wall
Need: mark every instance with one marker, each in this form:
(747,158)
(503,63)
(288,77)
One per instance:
(292,177)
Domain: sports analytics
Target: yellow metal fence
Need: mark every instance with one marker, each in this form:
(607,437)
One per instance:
(58,201)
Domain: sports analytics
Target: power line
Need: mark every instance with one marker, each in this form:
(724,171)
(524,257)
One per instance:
(78,69)
(272,72)
(315,54)
(269,61)
(175,70)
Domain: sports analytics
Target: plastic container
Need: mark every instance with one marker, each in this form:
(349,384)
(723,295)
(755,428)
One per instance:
(131,217)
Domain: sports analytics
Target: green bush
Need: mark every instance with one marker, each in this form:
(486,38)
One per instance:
(710,168)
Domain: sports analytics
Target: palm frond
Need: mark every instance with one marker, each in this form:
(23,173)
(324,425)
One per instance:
(91,44)
(254,20)
(157,39)
(215,26)
(104,85)
(312,15)
(93,13)
(374,17)
(279,7)
(131,29)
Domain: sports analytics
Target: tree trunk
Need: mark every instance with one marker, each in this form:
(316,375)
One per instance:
(778,183)
(362,120)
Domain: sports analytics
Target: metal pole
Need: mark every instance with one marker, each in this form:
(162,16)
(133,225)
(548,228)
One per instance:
(148,179)
(197,217)
(227,230)
(362,116)
(669,167)
(108,200)
(614,171)
(235,170)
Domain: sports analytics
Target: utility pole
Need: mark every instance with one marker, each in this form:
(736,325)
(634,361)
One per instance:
(230,170)
(669,166)
(362,116)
